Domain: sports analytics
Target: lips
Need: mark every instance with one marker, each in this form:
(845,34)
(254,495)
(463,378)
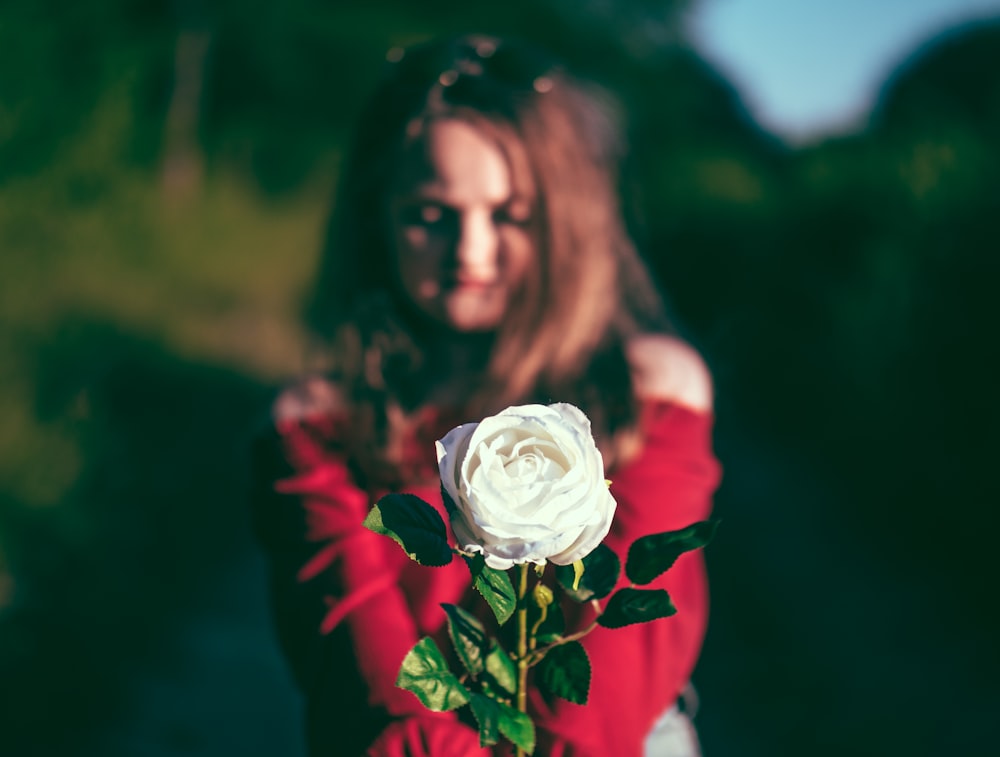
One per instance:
(472,283)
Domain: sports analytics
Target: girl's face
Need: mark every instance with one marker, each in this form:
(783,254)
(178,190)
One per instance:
(463,236)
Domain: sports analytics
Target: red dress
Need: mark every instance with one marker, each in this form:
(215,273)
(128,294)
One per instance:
(345,649)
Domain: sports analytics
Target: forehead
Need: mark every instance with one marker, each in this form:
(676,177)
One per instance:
(457,161)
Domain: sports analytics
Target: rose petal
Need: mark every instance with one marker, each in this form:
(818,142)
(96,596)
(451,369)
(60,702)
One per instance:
(528,485)
(588,539)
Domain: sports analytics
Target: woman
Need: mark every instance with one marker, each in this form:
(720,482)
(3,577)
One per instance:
(478,259)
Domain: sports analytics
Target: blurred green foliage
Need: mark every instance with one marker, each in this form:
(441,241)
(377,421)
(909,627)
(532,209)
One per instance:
(166,170)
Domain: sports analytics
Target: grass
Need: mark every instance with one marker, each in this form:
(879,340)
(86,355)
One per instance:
(142,334)
(214,277)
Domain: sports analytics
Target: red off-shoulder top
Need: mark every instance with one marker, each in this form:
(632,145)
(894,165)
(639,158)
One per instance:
(349,604)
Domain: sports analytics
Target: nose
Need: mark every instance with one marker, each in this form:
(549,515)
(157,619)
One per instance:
(477,247)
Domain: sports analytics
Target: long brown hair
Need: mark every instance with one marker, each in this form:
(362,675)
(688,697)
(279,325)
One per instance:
(564,335)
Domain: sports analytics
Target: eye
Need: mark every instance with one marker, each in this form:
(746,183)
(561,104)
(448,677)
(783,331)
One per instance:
(430,214)
(514,213)
(424,214)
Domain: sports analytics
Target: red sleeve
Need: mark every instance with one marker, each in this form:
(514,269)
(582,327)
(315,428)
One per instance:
(326,569)
(639,671)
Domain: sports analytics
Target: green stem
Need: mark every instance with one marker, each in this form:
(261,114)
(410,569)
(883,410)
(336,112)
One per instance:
(538,654)
(522,644)
(543,613)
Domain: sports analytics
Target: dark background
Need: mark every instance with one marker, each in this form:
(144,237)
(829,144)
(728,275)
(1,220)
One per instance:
(166,169)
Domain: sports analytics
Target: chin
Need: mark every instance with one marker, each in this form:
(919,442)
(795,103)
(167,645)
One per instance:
(473,320)
(472,327)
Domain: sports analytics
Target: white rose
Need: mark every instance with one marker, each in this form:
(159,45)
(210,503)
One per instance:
(528,486)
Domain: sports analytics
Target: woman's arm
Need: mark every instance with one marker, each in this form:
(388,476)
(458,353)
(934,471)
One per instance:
(336,583)
(638,671)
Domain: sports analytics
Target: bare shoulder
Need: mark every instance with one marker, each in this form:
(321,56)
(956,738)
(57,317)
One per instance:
(314,395)
(667,368)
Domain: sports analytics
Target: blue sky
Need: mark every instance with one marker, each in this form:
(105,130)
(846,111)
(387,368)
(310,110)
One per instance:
(810,67)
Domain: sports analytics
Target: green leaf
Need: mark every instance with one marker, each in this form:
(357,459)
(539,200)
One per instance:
(601,570)
(414,525)
(517,727)
(494,716)
(425,673)
(513,724)
(651,556)
(487,714)
(494,586)
(468,637)
(565,672)
(628,606)
(500,680)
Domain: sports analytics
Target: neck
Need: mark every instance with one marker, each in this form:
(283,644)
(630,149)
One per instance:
(457,361)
